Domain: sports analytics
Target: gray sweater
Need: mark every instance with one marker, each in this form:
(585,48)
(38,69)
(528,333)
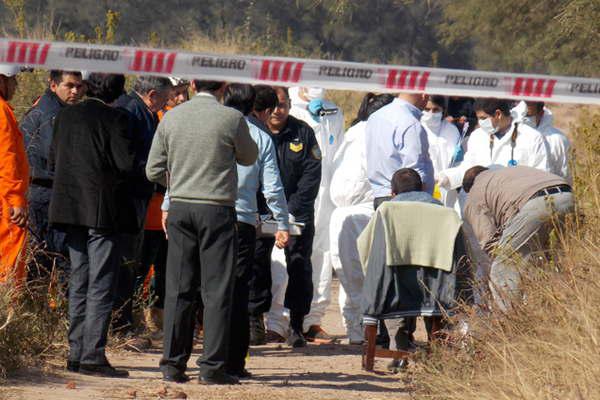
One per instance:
(198,144)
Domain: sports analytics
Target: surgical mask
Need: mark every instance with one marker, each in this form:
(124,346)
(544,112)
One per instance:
(314,93)
(432,120)
(487,126)
(530,120)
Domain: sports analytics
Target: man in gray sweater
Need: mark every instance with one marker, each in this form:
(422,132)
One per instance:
(196,146)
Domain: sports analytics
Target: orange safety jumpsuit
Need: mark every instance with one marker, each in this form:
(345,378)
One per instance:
(14,182)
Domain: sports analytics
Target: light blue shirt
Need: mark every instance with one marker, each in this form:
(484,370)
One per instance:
(262,175)
(395,139)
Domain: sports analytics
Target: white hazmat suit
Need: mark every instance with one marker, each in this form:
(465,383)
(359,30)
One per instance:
(558,143)
(529,149)
(352,195)
(443,139)
(329,131)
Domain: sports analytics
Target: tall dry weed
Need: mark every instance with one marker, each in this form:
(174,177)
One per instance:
(548,346)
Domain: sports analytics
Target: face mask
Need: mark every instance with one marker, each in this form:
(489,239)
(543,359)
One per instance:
(314,93)
(487,126)
(432,120)
(530,120)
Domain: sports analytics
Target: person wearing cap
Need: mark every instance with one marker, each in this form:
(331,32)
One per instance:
(64,88)
(14,182)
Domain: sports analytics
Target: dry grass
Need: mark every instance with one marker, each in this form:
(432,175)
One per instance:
(547,348)
(30,328)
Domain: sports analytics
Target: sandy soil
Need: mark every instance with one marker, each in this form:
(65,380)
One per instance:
(316,372)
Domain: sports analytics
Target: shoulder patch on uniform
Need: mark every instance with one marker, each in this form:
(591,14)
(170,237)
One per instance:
(316,152)
(296,147)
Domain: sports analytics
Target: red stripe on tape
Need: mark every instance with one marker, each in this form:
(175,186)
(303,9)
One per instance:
(297,72)
(275,70)
(423,81)
(264,70)
(170,62)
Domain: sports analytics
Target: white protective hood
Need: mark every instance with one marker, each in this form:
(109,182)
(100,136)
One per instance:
(349,182)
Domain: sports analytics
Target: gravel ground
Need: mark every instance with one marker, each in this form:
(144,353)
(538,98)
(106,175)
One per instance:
(315,372)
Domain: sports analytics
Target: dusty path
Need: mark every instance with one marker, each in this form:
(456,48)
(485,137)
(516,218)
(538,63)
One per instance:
(316,372)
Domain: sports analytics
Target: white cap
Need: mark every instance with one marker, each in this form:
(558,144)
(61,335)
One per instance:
(9,70)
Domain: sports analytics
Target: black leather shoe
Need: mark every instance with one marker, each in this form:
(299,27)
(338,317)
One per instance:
(105,370)
(296,339)
(180,377)
(73,366)
(219,378)
(243,374)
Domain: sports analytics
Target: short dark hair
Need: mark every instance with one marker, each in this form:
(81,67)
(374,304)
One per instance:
(239,96)
(470,175)
(539,105)
(144,84)
(266,98)
(208,86)
(438,101)
(489,106)
(406,180)
(56,75)
(106,87)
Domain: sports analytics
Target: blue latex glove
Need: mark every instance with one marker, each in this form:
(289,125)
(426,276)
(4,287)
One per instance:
(459,153)
(314,108)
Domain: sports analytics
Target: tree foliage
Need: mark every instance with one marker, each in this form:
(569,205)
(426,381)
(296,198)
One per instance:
(552,36)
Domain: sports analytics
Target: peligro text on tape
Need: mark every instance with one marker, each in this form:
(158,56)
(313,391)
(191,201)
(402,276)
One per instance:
(297,72)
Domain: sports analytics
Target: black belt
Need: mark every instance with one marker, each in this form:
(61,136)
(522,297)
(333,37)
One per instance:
(43,182)
(552,190)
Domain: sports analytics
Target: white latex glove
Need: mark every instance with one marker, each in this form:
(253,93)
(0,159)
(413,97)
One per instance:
(443,181)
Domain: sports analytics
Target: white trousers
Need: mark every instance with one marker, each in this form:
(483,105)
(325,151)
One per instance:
(278,317)
(346,224)
(321,259)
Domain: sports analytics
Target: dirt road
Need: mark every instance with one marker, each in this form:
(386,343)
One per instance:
(316,372)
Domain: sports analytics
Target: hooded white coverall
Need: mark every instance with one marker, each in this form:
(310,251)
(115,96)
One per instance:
(558,143)
(443,138)
(329,131)
(530,149)
(352,195)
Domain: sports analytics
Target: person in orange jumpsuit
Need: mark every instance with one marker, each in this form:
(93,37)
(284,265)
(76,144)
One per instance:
(14,182)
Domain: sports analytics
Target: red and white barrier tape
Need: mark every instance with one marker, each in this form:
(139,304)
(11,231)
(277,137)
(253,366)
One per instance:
(298,72)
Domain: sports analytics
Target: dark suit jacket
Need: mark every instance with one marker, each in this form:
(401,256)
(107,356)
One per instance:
(92,153)
(143,126)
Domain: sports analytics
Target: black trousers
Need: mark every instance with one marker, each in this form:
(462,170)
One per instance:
(154,252)
(202,253)
(239,340)
(130,248)
(383,336)
(378,200)
(51,243)
(299,292)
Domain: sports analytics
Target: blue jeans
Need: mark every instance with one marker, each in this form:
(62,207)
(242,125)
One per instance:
(94,266)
